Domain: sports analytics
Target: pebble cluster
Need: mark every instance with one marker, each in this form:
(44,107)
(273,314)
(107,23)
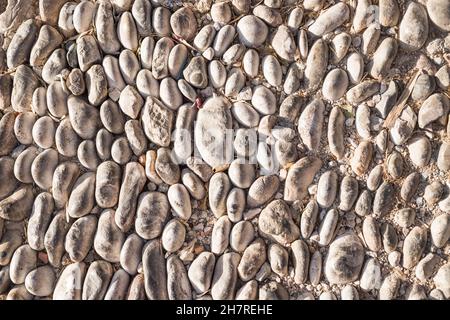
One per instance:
(119,178)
